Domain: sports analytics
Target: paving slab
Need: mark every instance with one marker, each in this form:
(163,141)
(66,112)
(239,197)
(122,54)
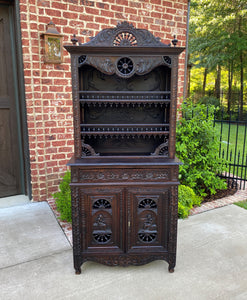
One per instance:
(211,264)
(14,201)
(29,232)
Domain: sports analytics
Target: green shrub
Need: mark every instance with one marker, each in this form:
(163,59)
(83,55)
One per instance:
(209,100)
(186,200)
(197,147)
(63,198)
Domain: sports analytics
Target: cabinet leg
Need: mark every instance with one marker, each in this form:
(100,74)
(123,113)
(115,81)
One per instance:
(77,264)
(171,269)
(78,271)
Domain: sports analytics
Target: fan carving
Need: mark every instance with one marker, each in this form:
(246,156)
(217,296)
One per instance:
(125,39)
(147,204)
(101,204)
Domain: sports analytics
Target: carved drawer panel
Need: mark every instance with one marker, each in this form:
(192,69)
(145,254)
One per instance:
(80,175)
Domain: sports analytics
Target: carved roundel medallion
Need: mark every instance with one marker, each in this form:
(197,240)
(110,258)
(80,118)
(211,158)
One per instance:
(167,60)
(82,59)
(125,39)
(125,66)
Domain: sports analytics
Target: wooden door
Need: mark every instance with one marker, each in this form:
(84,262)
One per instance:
(10,161)
(101,210)
(148,215)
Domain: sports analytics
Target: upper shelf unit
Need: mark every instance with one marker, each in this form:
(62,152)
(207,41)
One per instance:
(124,94)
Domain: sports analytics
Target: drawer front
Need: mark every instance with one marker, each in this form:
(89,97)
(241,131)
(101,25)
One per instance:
(124,175)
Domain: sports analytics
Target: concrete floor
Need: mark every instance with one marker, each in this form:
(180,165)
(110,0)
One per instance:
(13,201)
(36,261)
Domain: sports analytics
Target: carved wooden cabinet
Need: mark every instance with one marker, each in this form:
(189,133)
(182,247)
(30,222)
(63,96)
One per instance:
(124,171)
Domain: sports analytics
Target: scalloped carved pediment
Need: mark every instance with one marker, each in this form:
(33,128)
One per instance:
(110,65)
(125,35)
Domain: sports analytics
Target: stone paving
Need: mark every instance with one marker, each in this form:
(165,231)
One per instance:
(240,195)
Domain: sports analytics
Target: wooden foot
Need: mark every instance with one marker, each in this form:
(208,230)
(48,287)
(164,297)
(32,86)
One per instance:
(171,270)
(78,271)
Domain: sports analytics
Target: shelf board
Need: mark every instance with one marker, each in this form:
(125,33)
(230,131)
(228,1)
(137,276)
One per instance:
(124,133)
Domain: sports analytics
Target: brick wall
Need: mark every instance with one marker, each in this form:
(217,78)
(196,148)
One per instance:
(48,86)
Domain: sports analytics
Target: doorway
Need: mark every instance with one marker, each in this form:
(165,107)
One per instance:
(13,179)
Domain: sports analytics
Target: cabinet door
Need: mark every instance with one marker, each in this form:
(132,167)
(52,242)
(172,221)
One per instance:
(148,219)
(101,219)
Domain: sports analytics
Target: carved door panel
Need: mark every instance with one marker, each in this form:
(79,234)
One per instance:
(10,162)
(148,219)
(102,219)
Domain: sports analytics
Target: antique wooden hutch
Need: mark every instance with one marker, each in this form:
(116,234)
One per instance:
(124,172)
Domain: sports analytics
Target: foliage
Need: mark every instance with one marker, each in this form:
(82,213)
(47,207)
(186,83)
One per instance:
(242,204)
(186,200)
(63,198)
(216,31)
(209,100)
(198,147)
(217,41)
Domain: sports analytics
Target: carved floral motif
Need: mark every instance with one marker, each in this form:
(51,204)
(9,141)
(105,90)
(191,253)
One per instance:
(132,65)
(121,175)
(125,260)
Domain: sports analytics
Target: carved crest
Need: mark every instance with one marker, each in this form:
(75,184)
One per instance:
(125,35)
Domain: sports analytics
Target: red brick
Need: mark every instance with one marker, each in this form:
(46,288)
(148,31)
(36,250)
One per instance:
(92,11)
(122,2)
(60,21)
(156,14)
(52,163)
(69,15)
(119,16)
(56,74)
(178,5)
(134,4)
(65,149)
(107,13)
(77,8)
(58,156)
(33,17)
(58,5)
(43,3)
(87,3)
(167,3)
(143,26)
(101,20)
(63,162)
(142,12)
(117,8)
(102,5)
(61,81)
(156,2)
(171,11)
(130,10)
